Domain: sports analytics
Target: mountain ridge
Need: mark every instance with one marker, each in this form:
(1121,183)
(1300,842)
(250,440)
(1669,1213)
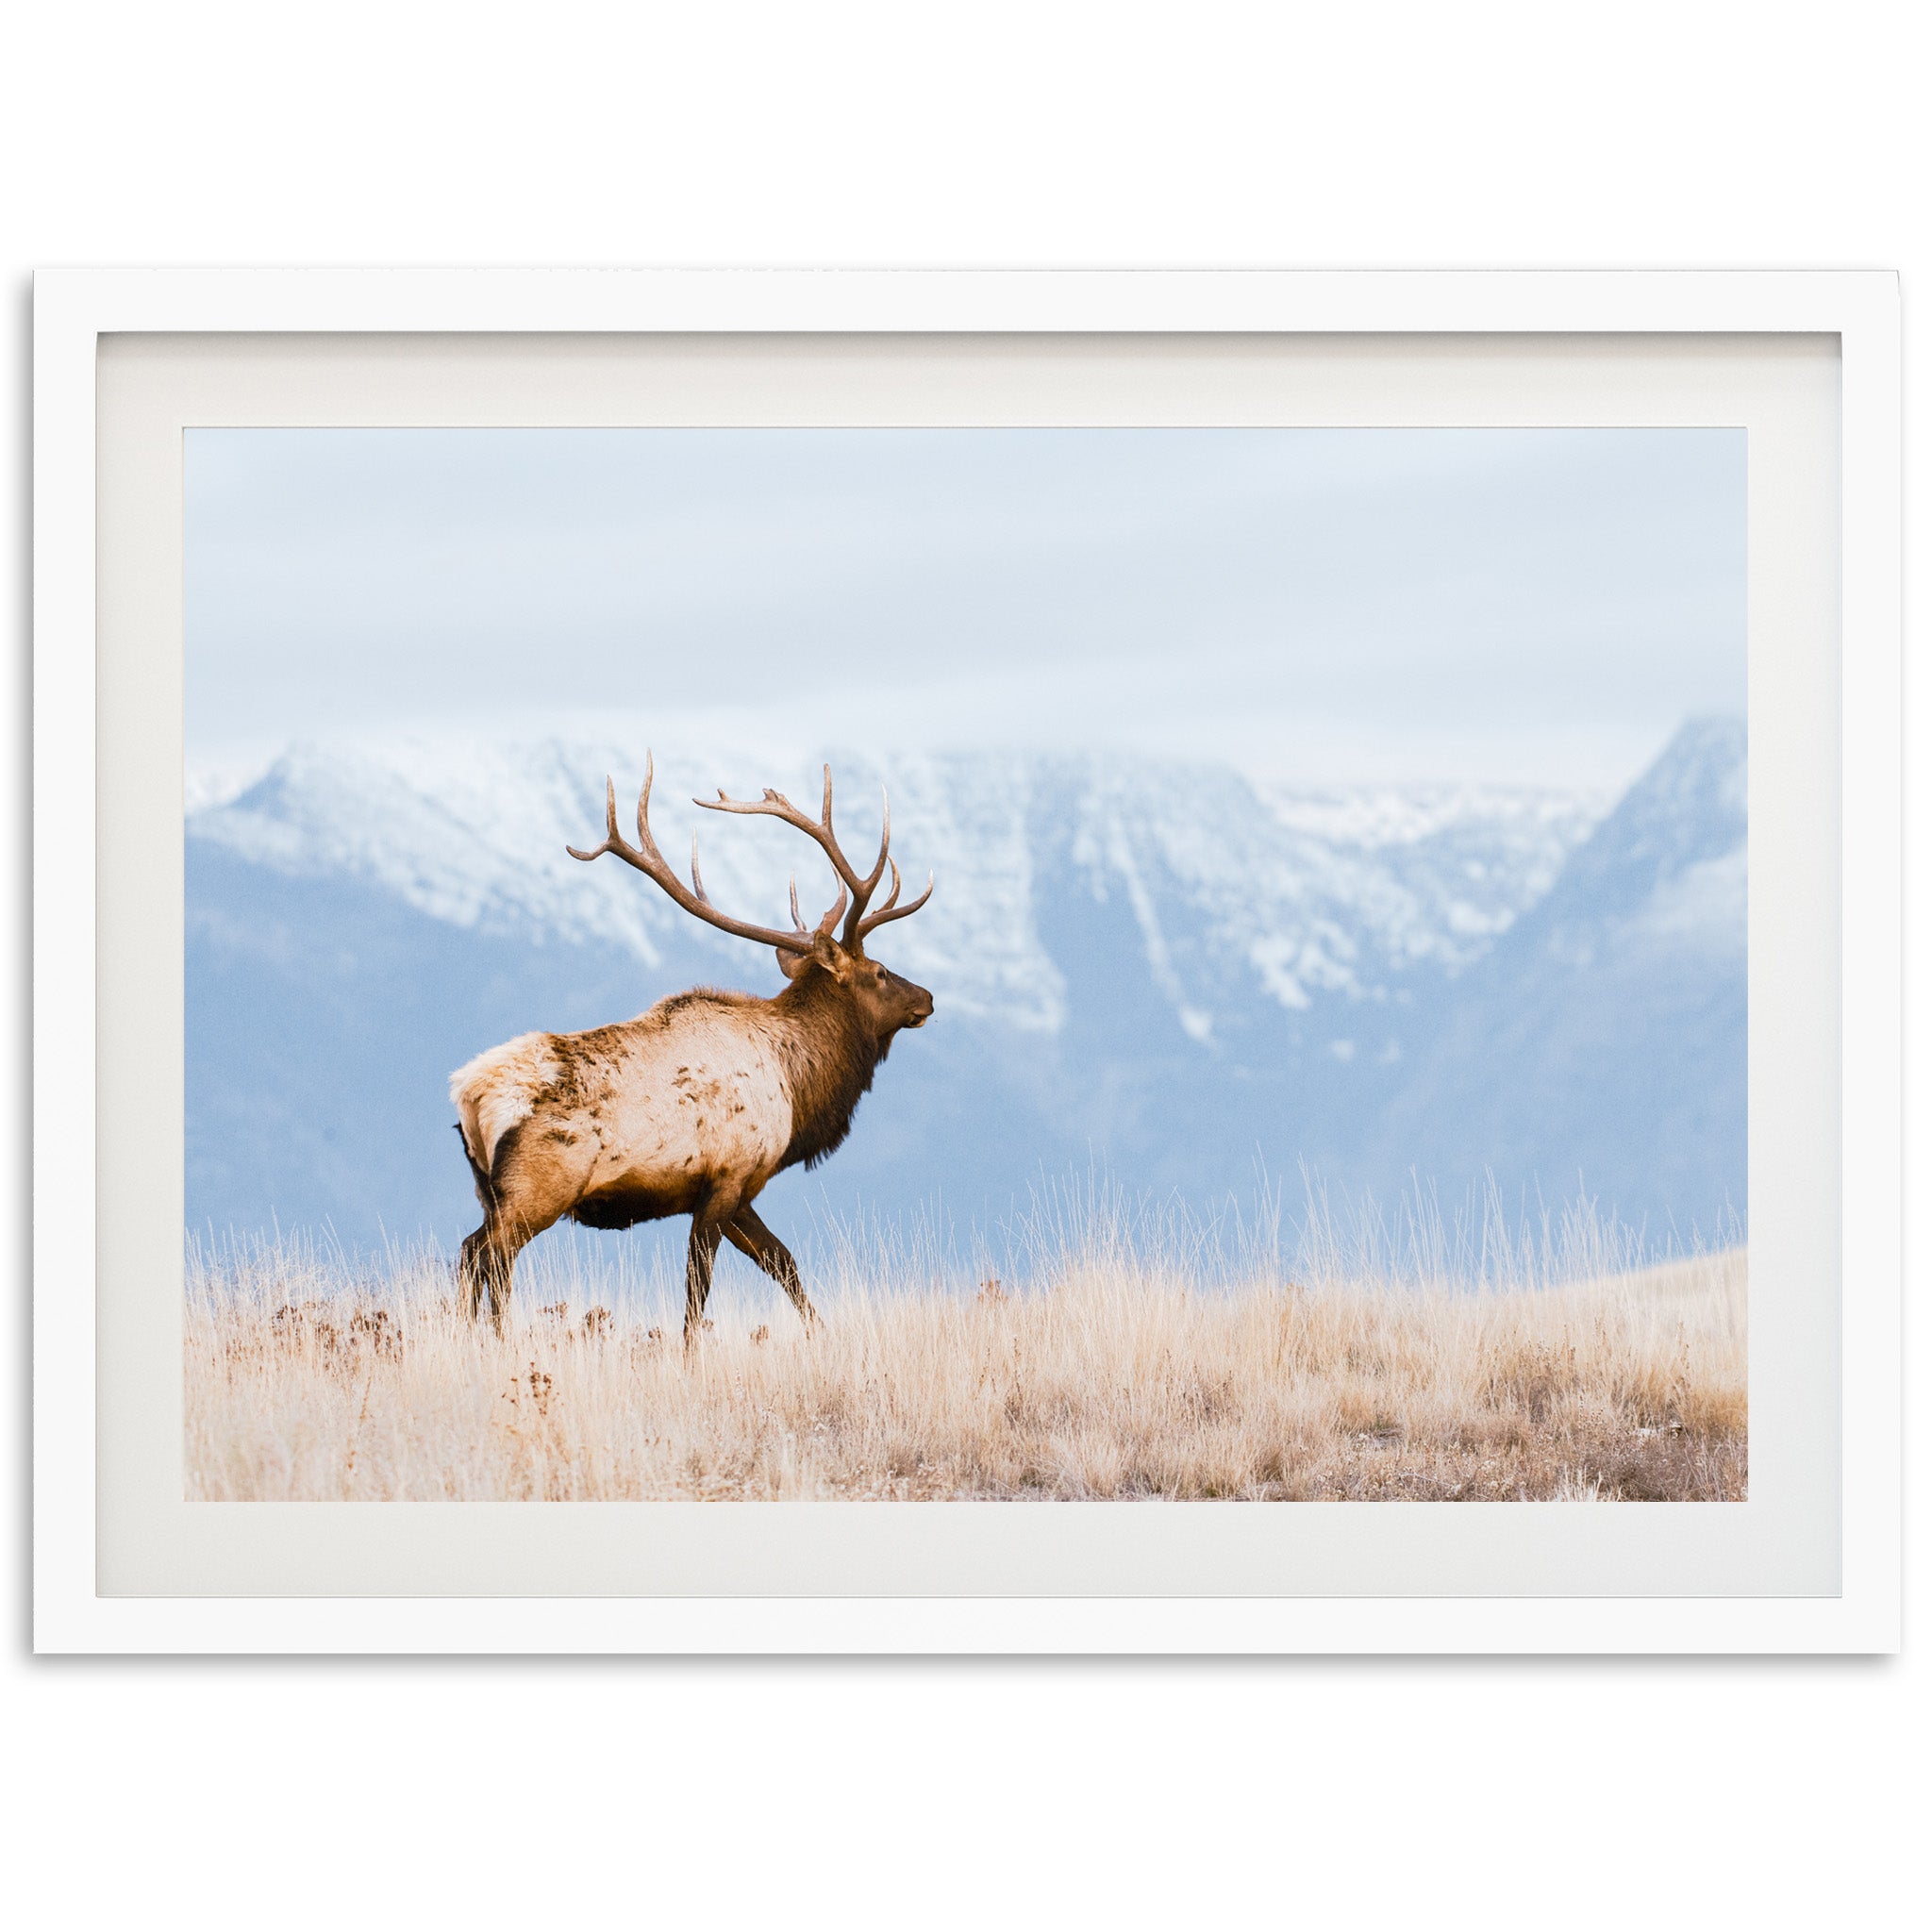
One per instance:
(1167,967)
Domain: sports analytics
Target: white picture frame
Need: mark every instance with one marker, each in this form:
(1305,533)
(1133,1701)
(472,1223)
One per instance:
(75,1390)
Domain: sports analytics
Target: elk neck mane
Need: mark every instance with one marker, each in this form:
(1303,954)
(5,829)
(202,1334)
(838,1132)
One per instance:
(830,1055)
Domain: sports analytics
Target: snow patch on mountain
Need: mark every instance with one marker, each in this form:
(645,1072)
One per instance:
(1704,907)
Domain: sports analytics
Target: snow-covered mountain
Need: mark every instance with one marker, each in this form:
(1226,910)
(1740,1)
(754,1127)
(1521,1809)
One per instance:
(1165,968)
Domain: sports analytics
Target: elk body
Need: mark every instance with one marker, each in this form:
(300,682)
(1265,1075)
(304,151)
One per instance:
(691,1108)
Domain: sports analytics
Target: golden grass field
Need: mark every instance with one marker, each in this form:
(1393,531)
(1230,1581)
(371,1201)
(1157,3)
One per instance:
(1108,1377)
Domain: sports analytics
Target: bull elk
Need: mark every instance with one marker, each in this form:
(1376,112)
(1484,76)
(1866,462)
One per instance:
(692,1106)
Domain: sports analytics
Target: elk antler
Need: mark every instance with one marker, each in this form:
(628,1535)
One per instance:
(890,909)
(646,856)
(775,804)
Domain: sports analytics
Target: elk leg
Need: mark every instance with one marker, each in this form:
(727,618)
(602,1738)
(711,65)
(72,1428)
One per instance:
(750,1236)
(534,1180)
(704,1236)
(472,1271)
(489,1258)
(504,1255)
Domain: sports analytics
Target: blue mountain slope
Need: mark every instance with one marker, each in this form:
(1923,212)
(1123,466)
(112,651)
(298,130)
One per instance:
(1602,1043)
(1173,977)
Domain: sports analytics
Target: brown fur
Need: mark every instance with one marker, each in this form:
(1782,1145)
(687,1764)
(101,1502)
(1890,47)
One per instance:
(830,1055)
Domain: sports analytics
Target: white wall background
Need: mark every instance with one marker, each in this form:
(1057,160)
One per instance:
(1650,135)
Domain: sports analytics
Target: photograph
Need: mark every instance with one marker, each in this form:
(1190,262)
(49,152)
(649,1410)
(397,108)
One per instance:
(1032,964)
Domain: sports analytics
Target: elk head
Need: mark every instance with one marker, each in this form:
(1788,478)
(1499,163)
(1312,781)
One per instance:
(886,1002)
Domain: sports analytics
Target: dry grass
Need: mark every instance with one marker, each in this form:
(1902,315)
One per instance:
(1109,1377)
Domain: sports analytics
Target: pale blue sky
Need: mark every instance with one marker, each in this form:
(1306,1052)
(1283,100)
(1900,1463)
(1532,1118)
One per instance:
(1534,606)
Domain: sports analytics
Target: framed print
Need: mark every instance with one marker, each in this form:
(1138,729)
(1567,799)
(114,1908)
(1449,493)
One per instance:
(967,961)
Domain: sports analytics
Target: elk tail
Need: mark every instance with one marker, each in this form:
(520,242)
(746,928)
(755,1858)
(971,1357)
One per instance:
(486,1188)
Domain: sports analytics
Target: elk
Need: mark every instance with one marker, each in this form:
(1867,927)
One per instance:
(693,1105)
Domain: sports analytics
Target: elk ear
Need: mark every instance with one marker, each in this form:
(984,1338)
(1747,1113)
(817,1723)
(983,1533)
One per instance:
(828,953)
(791,964)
